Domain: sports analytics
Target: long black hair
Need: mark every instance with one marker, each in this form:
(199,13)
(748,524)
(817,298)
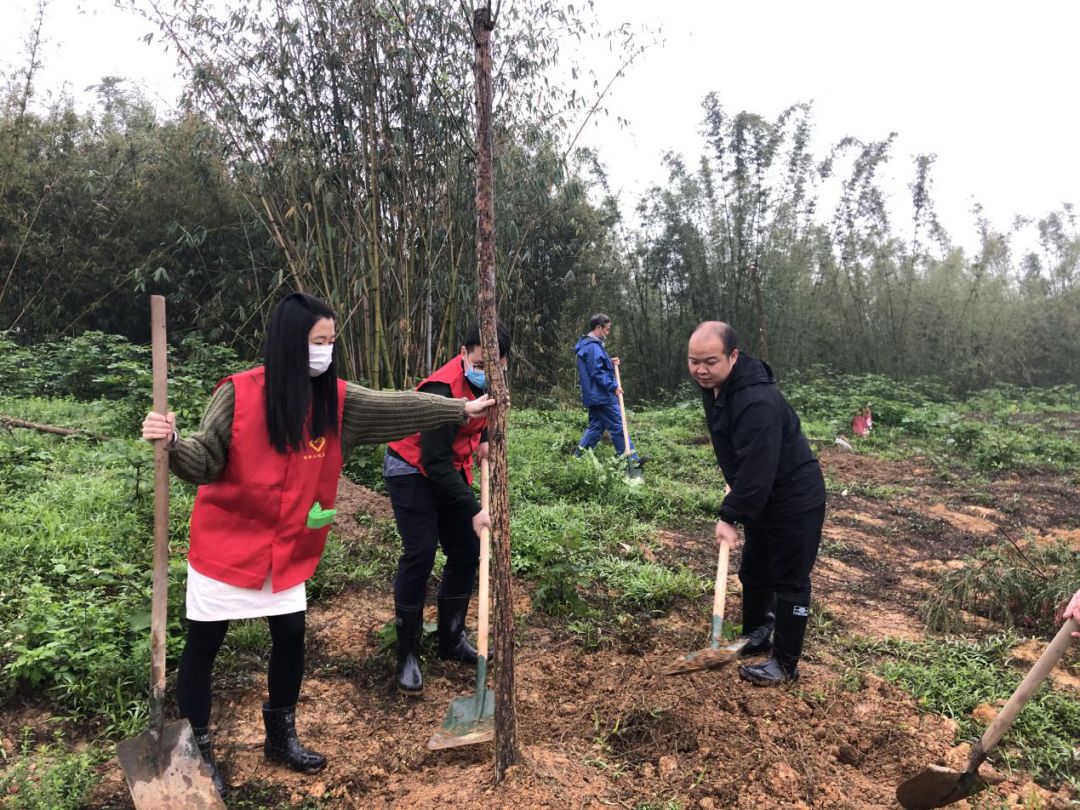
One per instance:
(294,399)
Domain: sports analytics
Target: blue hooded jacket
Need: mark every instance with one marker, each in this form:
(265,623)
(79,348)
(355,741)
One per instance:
(596,372)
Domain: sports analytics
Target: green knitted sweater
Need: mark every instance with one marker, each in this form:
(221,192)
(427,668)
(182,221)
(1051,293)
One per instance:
(369,417)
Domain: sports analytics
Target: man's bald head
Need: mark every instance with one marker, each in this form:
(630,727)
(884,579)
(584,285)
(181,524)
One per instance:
(719,330)
(711,354)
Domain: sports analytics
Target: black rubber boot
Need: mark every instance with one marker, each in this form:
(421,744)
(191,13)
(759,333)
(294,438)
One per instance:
(409,623)
(282,744)
(758,620)
(783,666)
(453,641)
(206,749)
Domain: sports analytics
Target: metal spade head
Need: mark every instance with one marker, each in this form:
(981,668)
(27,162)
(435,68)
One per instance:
(707,658)
(936,786)
(167,771)
(469,720)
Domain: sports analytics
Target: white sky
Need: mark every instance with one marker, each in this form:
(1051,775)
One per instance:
(990,86)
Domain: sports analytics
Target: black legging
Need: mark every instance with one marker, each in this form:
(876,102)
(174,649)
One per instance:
(204,639)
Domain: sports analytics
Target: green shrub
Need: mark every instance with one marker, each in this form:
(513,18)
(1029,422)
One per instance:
(1020,587)
(48,778)
(75,580)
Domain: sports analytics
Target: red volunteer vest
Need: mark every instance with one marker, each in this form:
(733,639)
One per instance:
(253,520)
(468,435)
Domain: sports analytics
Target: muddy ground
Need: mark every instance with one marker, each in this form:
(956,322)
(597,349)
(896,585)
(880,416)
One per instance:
(602,728)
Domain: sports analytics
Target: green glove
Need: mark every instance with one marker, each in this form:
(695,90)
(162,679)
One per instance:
(319,517)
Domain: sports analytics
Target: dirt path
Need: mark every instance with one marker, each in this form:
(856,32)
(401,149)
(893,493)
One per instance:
(602,729)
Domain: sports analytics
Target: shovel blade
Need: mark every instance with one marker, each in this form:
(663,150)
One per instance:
(469,720)
(167,772)
(936,786)
(707,658)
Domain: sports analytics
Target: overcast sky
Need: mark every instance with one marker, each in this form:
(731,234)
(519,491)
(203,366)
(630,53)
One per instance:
(990,87)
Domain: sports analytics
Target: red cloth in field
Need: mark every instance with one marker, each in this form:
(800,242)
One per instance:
(468,435)
(253,519)
(862,423)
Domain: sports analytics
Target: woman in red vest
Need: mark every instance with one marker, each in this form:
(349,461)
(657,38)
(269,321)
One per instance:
(428,477)
(268,456)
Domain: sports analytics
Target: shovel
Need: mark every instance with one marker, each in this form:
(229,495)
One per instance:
(936,786)
(715,654)
(634,473)
(471,720)
(162,766)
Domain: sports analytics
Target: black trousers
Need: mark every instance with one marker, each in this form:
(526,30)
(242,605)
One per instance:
(424,525)
(778,557)
(283,677)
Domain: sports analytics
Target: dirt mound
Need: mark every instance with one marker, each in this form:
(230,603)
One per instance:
(354,501)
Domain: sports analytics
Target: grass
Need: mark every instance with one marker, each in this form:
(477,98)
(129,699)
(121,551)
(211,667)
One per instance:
(75,530)
(952,677)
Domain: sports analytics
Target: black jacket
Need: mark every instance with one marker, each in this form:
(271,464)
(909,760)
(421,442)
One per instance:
(437,455)
(760,447)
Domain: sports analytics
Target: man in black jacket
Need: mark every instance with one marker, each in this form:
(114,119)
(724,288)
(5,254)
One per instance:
(777,494)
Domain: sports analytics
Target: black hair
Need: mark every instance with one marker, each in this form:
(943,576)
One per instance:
(472,339)
(294,399)
(599,319)
(730,338)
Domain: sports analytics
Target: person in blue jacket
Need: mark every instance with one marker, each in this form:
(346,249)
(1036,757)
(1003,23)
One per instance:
(599,390)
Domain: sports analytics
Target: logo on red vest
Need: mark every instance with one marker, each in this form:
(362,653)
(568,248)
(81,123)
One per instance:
(317,445)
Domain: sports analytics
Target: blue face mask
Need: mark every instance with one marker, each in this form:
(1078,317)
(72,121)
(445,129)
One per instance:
(476,377)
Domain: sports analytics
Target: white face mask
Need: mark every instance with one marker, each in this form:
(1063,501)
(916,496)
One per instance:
(319,358)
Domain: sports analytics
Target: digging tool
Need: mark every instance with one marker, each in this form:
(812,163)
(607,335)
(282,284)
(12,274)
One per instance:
(936,786)
(471,720)
(634,473)
(715,654)
(162,766)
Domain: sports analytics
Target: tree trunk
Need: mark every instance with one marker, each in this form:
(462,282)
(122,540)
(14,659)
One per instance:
(759,307)
(506,743)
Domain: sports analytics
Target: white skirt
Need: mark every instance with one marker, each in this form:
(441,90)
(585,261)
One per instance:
(210,600)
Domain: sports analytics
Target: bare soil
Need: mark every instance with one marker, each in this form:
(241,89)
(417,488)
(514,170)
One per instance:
(602,728)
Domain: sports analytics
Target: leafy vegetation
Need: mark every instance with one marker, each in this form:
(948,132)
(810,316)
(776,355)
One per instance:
(47,777)
(988,430)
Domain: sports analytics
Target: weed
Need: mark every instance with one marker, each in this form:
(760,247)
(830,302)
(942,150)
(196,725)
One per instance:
(1022,586)
(49,778)
(647,585)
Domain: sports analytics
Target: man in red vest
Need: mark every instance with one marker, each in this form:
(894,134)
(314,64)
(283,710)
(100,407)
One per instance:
(428,477)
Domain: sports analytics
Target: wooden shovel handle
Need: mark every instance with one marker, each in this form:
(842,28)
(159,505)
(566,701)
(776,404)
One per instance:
(622,414)
(161,518)
(1031,683)
(719,596)
(485,558)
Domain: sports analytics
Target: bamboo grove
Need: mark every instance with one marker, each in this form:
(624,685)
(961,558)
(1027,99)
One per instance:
(327,147)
